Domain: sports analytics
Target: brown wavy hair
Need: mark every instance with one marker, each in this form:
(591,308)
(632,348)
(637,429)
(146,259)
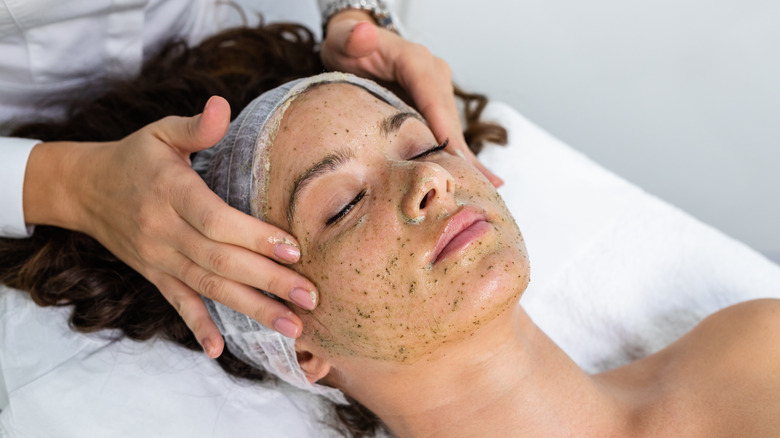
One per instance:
(59,267)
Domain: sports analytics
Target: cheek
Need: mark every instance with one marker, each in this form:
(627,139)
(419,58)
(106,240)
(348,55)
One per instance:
(379,301)
(368,287)
(381,304)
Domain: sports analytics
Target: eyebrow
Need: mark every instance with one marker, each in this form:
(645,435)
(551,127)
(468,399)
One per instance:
(336,160)
(393,123)
(329,164)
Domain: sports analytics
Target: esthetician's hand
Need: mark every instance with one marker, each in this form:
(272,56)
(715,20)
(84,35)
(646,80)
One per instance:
(355,44)
(141,200)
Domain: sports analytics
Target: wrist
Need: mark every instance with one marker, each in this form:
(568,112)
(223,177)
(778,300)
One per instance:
(356,15)
(53,181)
(351,14)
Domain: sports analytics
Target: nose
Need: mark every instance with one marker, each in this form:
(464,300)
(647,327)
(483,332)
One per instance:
(432,189)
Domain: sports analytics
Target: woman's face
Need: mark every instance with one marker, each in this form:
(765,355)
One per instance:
(410,247)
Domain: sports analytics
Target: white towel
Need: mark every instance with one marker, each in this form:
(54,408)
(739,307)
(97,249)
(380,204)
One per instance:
(616,273)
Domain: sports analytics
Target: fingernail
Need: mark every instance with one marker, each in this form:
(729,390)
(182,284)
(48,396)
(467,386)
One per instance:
(285,327)
(287,252)
(208,347)
(208,104)
(304,298)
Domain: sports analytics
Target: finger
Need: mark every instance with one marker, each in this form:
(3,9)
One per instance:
(440,123)
(460,148)
(360,41)
(232,263)
(253,303)
(442,116)
(350,34)
(214,219)
(440,111)
(493,178)
(430,85)
(442,128)
(192,134)
(193,311)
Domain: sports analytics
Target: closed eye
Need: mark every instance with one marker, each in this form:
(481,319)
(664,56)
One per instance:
(347,208)
(432,150)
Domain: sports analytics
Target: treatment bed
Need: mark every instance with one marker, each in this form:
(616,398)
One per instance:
(616,275)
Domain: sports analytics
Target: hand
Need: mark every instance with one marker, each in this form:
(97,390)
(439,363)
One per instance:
(140,199)
(356,45)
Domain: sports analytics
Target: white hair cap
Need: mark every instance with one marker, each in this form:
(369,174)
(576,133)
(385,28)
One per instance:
(236,169)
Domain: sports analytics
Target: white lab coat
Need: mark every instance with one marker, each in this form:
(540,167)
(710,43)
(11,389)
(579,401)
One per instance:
(50,47)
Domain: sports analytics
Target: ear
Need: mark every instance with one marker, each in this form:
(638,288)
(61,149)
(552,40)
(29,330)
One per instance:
(314,366)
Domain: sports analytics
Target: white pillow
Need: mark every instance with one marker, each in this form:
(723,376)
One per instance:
(616,273)
(60,383)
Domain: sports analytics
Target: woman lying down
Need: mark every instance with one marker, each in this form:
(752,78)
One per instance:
(420,268)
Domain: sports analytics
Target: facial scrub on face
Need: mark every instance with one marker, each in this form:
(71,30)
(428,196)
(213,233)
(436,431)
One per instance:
(237,170)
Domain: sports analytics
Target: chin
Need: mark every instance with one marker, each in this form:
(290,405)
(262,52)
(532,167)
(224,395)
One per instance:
(495,285)
(406,325)
(478,288)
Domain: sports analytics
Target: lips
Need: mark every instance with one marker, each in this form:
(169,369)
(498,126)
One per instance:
(462,229)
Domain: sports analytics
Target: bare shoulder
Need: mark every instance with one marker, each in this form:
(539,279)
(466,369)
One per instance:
(757,319)
(722,379)
(750,328)
(765,310)
(731,362)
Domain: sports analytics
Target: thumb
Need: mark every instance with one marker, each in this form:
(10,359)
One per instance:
(193,134)
(356,40)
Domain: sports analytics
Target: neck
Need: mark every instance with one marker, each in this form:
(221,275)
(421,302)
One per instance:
(510,380)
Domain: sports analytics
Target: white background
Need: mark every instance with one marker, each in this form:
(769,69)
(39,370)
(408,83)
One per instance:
(681,97)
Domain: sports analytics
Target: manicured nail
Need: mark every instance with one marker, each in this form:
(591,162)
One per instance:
(285,327)
(287,252)
(304,298)
(208,347)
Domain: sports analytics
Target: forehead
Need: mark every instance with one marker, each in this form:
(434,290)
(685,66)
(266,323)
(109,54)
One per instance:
(315,113)
(325,119)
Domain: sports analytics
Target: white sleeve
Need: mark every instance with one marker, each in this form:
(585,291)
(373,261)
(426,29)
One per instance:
(14,153)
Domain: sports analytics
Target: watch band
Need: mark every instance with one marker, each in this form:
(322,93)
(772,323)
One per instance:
(377,8)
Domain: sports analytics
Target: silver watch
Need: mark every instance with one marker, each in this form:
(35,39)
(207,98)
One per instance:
(377,8)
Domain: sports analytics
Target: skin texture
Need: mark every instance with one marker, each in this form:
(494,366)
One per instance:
(141,200)
(381,297)
(445,350)
(356,45)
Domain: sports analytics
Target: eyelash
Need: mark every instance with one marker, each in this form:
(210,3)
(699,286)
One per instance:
(347,208)
(432,150)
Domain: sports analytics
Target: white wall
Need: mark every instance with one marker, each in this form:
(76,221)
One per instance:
(681,97)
